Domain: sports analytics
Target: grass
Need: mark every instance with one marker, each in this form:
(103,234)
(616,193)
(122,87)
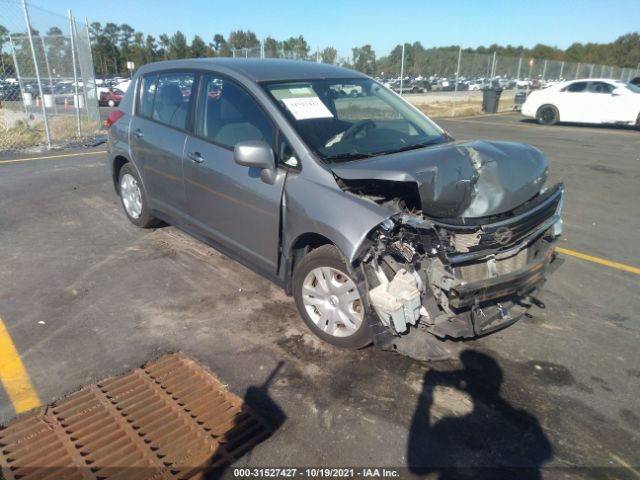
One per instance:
(17,132)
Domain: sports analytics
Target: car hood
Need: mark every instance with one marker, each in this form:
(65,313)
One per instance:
(459,179)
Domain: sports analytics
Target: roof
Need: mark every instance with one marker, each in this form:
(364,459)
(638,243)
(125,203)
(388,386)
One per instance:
(262,69)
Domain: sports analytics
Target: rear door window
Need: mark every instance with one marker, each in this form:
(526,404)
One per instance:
(172,99)
(576,87)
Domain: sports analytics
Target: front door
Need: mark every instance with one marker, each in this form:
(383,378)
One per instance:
(229,202)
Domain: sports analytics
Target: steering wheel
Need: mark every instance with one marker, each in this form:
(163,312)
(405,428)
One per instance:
(356,128)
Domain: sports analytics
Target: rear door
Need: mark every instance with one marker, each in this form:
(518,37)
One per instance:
(226,201)
(158,136)
(572,102)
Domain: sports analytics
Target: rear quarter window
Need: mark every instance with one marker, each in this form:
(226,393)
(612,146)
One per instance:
(147,93)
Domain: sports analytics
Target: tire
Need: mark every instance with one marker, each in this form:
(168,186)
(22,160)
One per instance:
(547,115)
(111,103)
(139,215)
(344,306)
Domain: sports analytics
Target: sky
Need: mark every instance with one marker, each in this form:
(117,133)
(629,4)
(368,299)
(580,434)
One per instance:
(344,24)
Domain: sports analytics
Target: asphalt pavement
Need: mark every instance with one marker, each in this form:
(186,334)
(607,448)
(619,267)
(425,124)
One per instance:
(85,295)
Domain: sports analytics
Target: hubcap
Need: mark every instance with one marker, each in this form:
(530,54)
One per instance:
(332,301)
(131,196)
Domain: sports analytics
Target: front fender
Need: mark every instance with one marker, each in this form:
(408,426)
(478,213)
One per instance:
(343,218)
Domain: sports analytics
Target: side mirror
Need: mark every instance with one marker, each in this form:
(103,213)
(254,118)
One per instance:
(618,91)
(257,154)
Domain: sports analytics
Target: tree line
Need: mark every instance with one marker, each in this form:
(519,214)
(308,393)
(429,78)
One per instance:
(114,45)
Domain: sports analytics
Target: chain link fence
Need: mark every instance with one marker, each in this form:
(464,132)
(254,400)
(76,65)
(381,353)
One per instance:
(451,82)
(47,82)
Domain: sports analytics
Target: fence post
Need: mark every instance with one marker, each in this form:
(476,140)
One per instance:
(494,65)
(35,64)
(17,69)
(455,90)
(519,67)
(577,70)
(75,75)
(544,71)
(561,70)
(402,69)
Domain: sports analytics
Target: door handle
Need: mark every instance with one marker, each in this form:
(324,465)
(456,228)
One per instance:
(195,157)
(138,133)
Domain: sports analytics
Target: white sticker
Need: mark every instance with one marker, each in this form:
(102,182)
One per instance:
(307,107)
(301,91)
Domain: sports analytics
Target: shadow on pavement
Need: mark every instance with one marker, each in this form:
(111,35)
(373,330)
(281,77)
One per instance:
(602,126)
(257,398)
(495,440)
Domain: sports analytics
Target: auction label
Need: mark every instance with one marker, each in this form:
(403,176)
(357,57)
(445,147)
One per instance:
(305,108)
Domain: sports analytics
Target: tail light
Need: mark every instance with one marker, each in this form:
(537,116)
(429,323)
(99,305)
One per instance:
(114,117)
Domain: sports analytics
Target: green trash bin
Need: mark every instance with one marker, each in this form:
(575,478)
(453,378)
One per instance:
(490,99)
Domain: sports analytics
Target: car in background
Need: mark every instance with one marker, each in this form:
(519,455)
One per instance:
(124,86)
(110,97)
(380,225)
(408,87)
(635,81)
(585,101)
(10,92)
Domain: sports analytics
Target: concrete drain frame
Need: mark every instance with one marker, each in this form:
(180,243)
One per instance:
(171,419)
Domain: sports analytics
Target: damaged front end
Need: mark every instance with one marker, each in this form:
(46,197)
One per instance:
(459,278)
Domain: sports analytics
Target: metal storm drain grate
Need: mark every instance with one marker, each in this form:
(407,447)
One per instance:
(170,419)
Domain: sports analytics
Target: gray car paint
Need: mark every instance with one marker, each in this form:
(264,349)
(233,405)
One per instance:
(460,179)
(312,202)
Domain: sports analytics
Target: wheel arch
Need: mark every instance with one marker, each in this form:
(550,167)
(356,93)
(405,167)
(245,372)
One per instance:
(118,162)
(301,246)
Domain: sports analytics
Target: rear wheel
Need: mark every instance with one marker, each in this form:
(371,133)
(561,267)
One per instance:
(547,115)
(133,198)
(111,103)
(329,298)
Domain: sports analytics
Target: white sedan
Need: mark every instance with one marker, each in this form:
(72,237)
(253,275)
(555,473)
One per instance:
(585,101)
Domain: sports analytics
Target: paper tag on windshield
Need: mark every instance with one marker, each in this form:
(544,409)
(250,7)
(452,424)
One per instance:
(307,107)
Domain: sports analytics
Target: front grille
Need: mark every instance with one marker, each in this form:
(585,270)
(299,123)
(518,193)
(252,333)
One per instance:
(510,231)
(483,270)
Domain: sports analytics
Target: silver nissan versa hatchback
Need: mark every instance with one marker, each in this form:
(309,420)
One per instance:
(382,227)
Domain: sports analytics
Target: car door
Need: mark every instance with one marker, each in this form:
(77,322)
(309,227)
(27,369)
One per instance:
(158,136)
(600,103)
(227,201)
(571,102)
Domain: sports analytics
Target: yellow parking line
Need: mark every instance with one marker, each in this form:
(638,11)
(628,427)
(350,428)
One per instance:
(16,160)
(13,375)
(622,462)
(601,261)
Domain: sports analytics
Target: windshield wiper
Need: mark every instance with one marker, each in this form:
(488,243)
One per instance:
(349,156)
(414,146)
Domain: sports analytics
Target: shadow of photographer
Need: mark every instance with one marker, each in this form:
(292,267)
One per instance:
(495,440)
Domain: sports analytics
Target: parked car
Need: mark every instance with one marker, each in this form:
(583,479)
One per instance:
(585,101)
(381,226)
(408,87)
(10,92)
(110,97)
(635,81)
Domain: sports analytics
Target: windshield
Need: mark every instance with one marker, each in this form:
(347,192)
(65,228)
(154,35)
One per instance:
(630,86)
(343,120)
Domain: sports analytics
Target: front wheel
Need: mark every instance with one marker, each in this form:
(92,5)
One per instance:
(547,115)
(329,299)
